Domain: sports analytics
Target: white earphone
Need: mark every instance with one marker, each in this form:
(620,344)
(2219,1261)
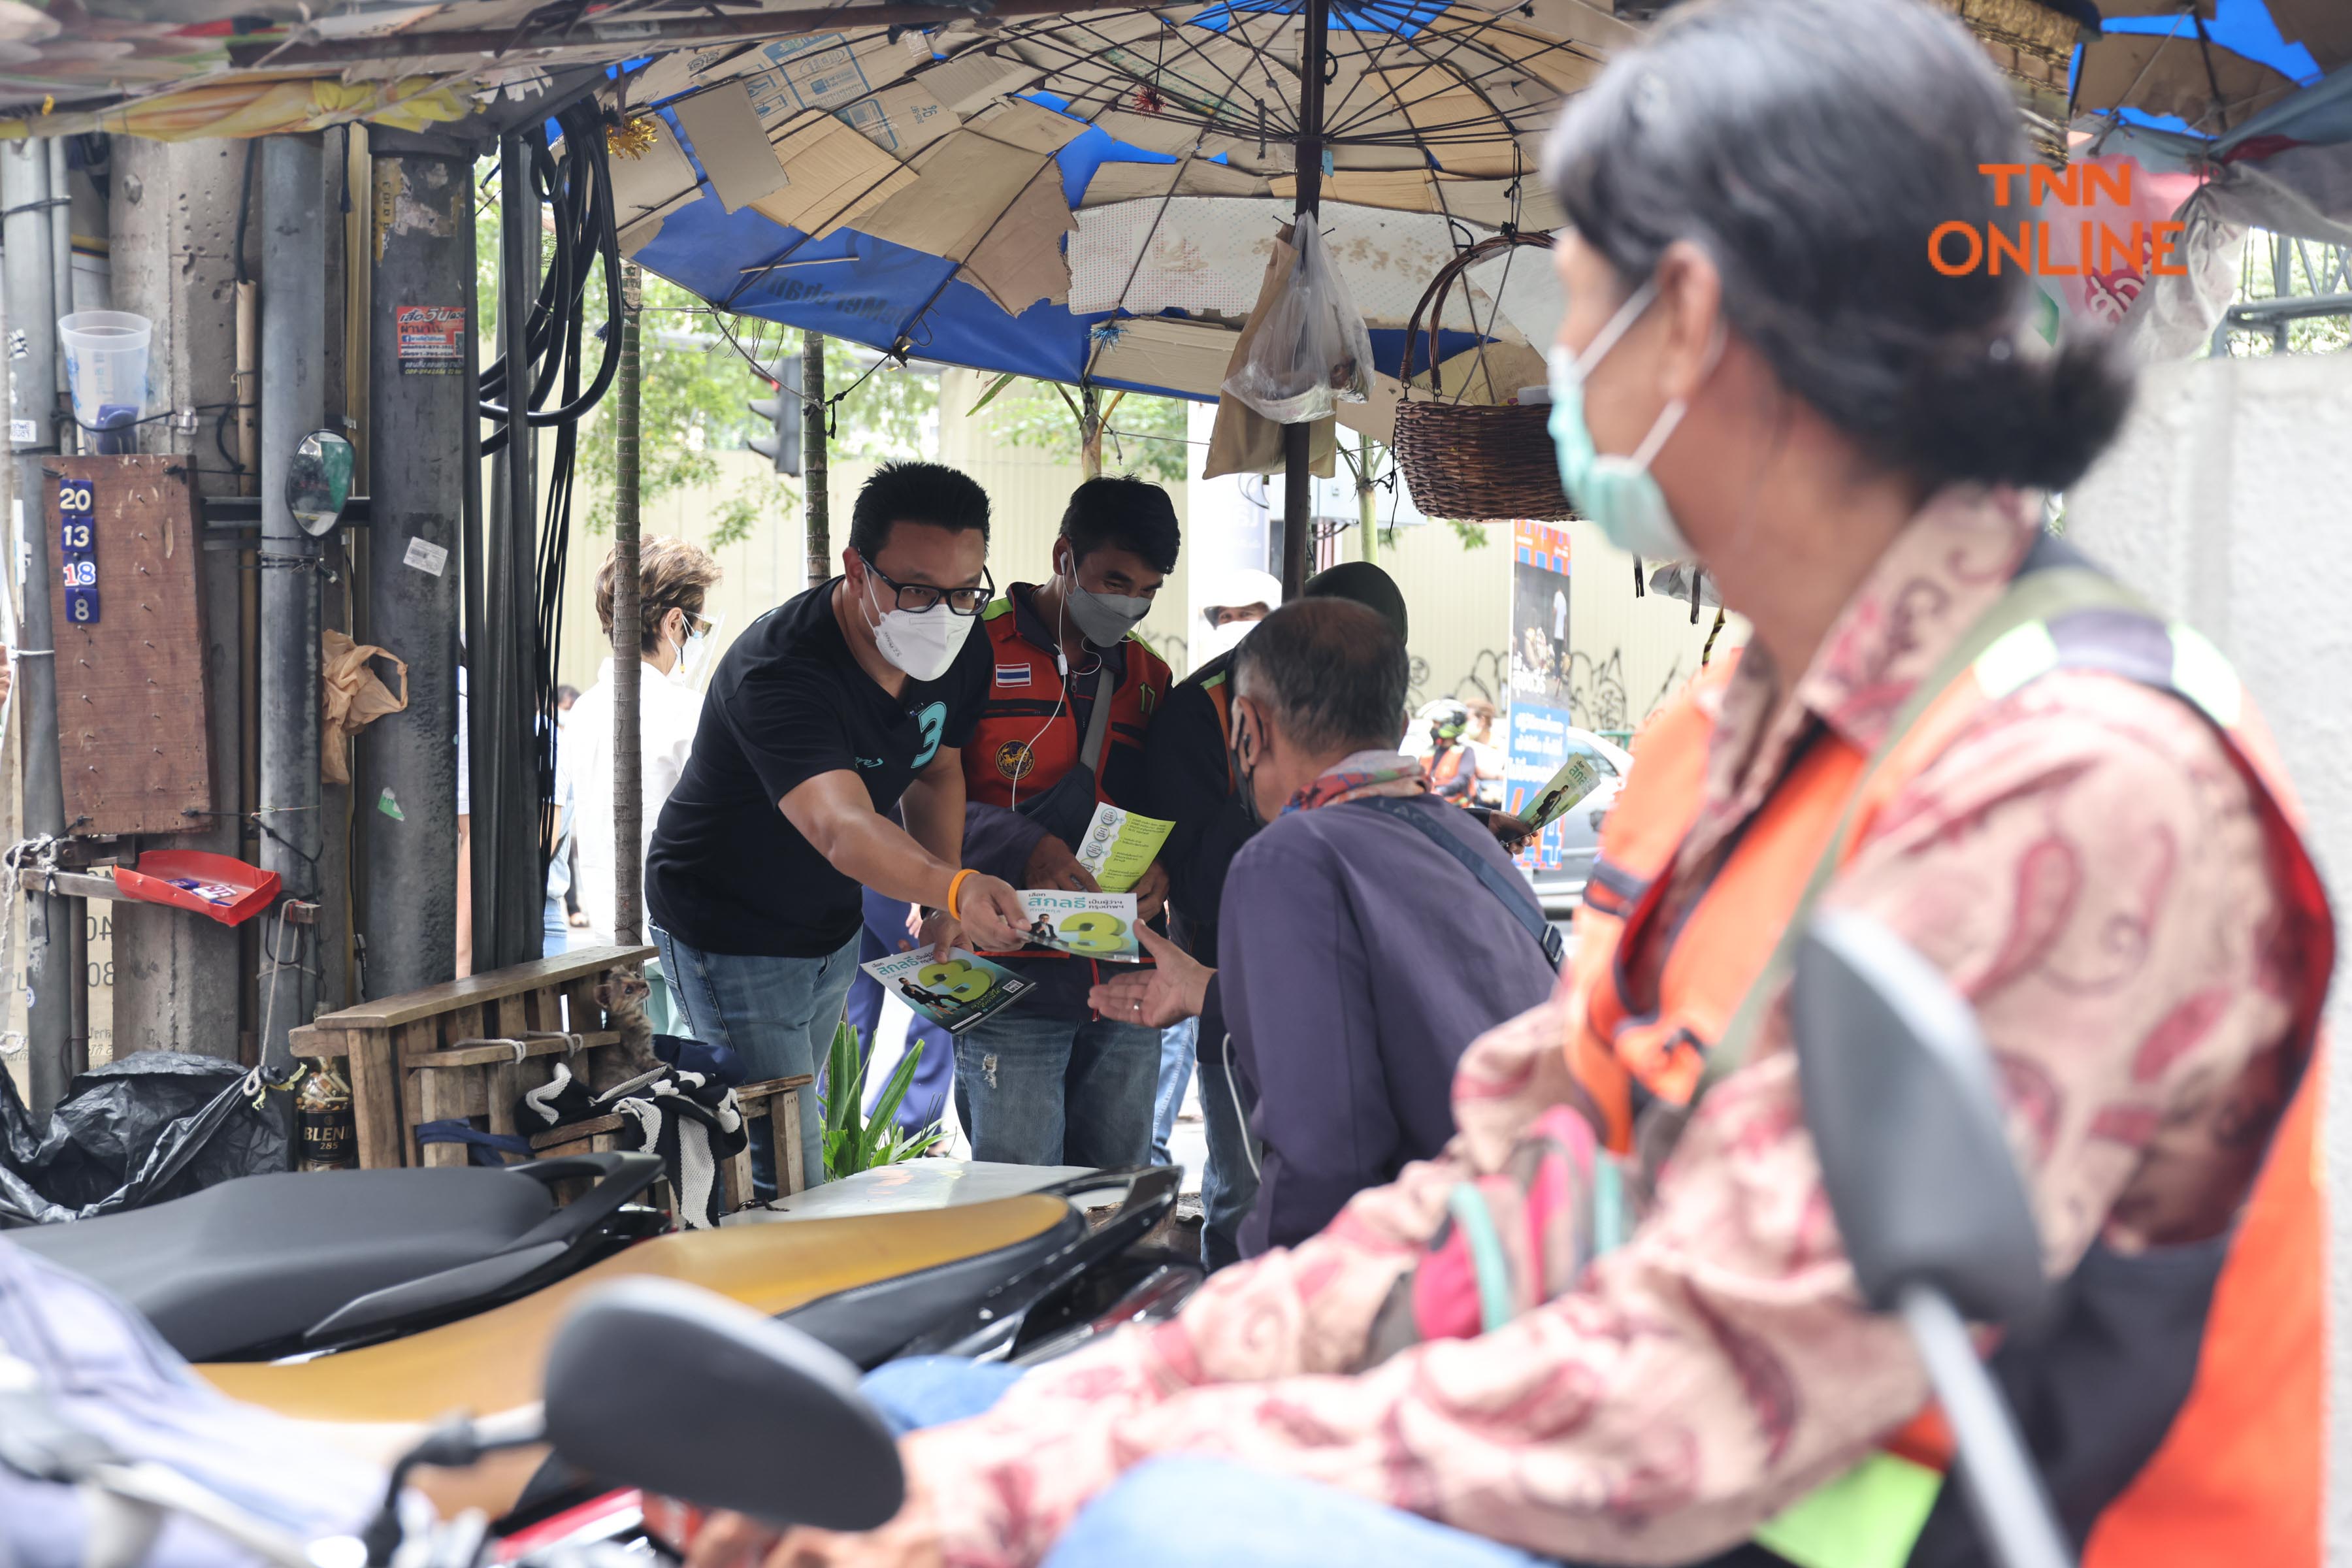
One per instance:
(1062,668)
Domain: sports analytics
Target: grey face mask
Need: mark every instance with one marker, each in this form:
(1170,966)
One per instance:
(1104,618)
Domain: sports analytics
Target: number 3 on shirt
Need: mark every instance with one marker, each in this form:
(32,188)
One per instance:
(934,720)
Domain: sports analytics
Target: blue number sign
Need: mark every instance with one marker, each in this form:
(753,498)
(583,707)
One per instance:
(78,550)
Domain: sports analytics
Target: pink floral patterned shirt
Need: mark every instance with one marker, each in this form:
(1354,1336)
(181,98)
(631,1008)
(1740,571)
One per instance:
(2084,864)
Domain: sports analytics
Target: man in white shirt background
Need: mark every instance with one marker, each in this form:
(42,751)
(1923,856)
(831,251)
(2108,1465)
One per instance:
(675,577)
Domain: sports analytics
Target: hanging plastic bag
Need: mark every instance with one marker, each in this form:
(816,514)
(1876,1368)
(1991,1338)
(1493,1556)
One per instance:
(353,699)
(1312,351)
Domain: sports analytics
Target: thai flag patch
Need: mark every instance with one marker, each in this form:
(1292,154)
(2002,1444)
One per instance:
(1013,675)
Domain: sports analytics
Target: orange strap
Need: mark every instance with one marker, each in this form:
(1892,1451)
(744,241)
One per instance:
(955,886)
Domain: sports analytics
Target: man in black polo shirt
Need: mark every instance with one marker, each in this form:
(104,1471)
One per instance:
(823,715)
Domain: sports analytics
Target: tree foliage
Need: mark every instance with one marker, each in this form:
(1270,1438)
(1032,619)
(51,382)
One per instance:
(1144,435)
(696,384)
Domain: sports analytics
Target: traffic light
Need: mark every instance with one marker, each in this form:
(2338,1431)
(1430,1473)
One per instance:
(782,447)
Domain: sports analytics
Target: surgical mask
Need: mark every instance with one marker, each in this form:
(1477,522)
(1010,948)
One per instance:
(1618,493)
(1218,641)
(922,643)
(689,656)
(1104,618)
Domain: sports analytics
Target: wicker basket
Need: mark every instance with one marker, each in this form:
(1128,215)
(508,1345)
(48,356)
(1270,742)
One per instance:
(1466,461)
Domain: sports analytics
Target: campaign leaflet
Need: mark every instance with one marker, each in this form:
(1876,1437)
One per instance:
(1577,777)
(1119,845)
(1091,925)
(956,992)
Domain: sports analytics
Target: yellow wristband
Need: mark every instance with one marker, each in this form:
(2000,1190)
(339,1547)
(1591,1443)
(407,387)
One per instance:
(955,886)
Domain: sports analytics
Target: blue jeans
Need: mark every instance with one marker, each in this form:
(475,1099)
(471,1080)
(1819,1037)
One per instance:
(1228,1512)
(554,931)
(1176,1049)
(1229,1184)
(778,1014)
(927,1095)
(1056,1091)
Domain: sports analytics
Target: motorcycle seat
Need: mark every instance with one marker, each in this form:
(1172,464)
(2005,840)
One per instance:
(290,1259)
(872,1321)
(491,1362)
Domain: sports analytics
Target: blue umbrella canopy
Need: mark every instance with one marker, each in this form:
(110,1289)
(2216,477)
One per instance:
(1094,197)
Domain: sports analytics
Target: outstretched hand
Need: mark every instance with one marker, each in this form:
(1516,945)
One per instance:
(1155,998)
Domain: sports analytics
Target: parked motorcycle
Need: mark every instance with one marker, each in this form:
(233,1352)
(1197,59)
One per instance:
(651,1386)
(298,1263)
(1075,1281)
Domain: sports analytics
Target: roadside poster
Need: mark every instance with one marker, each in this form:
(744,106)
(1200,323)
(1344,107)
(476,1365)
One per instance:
(430,340)
(1539,690)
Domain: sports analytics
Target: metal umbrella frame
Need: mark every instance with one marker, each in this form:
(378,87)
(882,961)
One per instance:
(1153,136)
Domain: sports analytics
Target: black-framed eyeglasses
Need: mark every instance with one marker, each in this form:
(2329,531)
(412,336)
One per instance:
(918,597)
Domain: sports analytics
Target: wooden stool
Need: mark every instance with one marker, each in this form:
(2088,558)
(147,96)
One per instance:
(465,1050)
(776,1103)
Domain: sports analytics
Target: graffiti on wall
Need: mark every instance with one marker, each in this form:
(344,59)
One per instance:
(1596,690)
(1487,677)
(1597,695)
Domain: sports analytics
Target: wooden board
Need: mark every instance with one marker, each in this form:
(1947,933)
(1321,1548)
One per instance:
(496,985)
(376,1099)
(134,739)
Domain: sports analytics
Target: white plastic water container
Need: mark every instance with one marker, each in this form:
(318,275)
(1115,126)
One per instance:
(106,367)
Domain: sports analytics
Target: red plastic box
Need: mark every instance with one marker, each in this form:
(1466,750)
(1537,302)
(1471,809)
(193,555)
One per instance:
(153,882)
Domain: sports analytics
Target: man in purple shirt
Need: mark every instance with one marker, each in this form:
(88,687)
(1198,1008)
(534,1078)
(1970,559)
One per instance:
(1359,947)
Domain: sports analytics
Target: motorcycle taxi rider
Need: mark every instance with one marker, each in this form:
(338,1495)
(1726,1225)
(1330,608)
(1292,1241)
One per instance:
(1759,367)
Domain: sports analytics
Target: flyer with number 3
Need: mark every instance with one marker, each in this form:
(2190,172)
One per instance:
(1091,925)
(957,992)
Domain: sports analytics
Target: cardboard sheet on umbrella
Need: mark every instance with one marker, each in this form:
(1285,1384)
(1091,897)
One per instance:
(1209,254)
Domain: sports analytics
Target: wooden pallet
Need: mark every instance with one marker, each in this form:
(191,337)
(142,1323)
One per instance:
(406,1065)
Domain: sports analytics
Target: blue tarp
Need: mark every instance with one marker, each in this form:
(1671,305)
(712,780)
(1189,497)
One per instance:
(2242,27)
(852,286)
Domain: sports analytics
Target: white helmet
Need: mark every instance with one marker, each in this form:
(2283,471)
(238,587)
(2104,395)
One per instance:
(1243,587)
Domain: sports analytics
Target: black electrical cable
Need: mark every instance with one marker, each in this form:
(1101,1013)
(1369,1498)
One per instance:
(579,188)
(576,192)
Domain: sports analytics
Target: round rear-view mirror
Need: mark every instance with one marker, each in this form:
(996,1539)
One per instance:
(319,482)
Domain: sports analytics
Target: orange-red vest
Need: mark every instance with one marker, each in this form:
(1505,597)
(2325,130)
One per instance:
(2233,1473)
(1028,737)
(1448,768)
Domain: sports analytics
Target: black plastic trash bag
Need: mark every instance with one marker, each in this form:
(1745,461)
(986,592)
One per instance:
(156,1125)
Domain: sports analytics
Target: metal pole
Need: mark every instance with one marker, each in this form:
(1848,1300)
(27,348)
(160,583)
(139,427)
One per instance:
(509,887)
(32,433)
(628,757)
(60,218)
(422,237)
(293,404)
(1090,431)
(1368,511)
(817,507)
(1297,475)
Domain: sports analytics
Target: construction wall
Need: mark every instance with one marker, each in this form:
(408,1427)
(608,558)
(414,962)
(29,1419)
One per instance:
(2224,502)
